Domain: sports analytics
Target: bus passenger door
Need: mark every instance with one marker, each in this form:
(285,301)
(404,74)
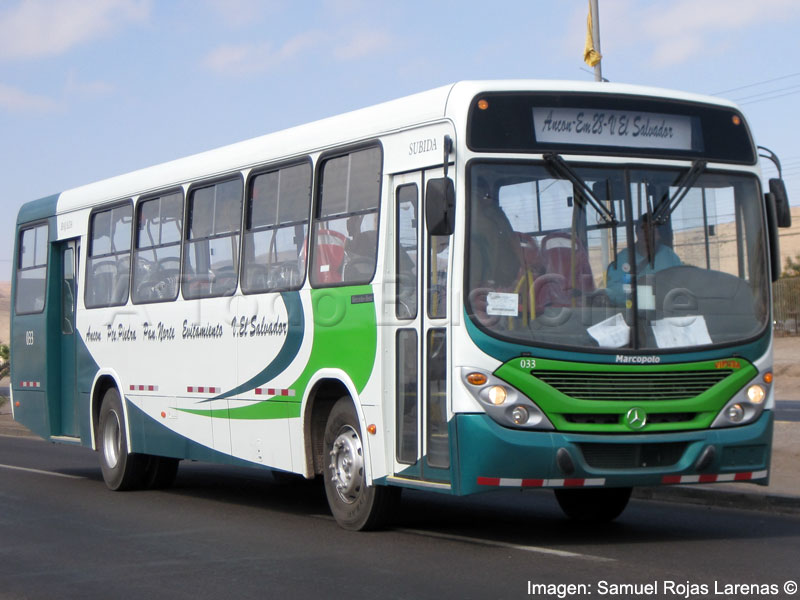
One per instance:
(68,261)
(419,315)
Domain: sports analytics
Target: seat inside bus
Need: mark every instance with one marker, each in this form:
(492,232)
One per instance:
(568,273)
(329,255)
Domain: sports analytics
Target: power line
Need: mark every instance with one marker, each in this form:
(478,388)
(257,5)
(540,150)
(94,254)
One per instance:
(770,98)
(791,87)
(749,85)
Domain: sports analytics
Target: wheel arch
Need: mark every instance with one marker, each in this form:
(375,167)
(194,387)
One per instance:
(103,381)
(324,392)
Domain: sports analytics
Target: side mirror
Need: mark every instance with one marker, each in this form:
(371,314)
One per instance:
(783,213)
(440,206)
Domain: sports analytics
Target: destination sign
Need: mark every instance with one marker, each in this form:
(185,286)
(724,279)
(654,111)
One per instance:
(617,128)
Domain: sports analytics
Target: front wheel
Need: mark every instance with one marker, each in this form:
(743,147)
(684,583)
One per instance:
(354,504)
(599,505)
(121,470)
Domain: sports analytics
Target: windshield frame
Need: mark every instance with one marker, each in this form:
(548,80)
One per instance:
(625,169)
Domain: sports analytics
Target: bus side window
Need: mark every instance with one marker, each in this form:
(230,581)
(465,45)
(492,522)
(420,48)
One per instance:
(109,257)
(31,270)
(346,229)
(277,229)
(211,254)
(158,249)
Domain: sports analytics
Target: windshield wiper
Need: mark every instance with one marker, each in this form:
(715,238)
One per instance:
(665,208)
(560,166)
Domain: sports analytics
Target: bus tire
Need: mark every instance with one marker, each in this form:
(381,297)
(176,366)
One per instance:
(121,470)
(355,505)
(160,472)
(597,505)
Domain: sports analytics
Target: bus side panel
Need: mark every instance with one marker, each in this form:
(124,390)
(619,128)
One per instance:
(28,373)
(151,437)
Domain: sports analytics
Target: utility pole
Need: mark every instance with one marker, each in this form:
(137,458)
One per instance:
(595,11)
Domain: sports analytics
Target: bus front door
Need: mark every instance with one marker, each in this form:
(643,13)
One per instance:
(419,318)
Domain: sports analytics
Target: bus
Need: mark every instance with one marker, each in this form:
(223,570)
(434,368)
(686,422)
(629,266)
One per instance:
(487,286)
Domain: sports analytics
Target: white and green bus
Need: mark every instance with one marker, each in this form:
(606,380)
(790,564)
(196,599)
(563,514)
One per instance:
(490,285)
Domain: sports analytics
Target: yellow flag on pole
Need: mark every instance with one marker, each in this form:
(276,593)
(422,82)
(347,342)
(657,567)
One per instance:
(590,56)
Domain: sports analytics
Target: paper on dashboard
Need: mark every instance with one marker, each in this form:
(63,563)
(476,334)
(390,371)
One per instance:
(675,332)
(612,332)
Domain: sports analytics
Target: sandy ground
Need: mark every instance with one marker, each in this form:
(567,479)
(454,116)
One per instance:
(787,367)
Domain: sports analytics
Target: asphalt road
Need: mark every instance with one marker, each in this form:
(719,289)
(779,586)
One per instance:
(237,533)
(787,410)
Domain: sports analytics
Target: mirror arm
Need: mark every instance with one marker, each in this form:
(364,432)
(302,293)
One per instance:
(448,150)
(774,158)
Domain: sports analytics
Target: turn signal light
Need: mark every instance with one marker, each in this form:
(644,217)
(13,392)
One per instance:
(768,377)
(477,378)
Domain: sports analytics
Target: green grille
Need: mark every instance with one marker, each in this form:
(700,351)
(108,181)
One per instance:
(640,387)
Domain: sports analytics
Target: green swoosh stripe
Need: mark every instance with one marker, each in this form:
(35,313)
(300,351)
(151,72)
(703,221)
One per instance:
(288,352)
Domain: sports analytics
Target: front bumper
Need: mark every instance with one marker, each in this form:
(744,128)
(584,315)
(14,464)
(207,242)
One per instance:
(491,456)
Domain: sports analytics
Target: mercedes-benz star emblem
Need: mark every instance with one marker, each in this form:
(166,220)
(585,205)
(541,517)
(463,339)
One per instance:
(636,418)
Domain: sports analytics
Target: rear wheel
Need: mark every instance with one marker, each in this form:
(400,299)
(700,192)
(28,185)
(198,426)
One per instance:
(599,505)
(121,470)
(354,504)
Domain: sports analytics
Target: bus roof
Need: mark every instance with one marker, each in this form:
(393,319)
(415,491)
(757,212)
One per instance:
(450,101)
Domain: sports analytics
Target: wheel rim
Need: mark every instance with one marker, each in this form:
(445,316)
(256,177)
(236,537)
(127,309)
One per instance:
(112,437)
(347,465)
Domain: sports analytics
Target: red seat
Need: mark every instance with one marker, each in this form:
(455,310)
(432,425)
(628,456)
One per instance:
(568,272)
(328,256)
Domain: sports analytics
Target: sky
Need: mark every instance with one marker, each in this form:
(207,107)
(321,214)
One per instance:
(90,89)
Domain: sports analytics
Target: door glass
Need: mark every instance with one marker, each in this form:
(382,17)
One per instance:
(407,254)
(437,439)
(406,381)
(68,291)
(439,250)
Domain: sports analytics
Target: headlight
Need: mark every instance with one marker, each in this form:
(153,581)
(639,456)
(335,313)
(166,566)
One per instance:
(520,415)
(497,395)
(503,403)
(756,394)
(747,405)
(736,413)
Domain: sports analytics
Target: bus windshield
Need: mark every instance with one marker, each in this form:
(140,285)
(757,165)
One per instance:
(613,258)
